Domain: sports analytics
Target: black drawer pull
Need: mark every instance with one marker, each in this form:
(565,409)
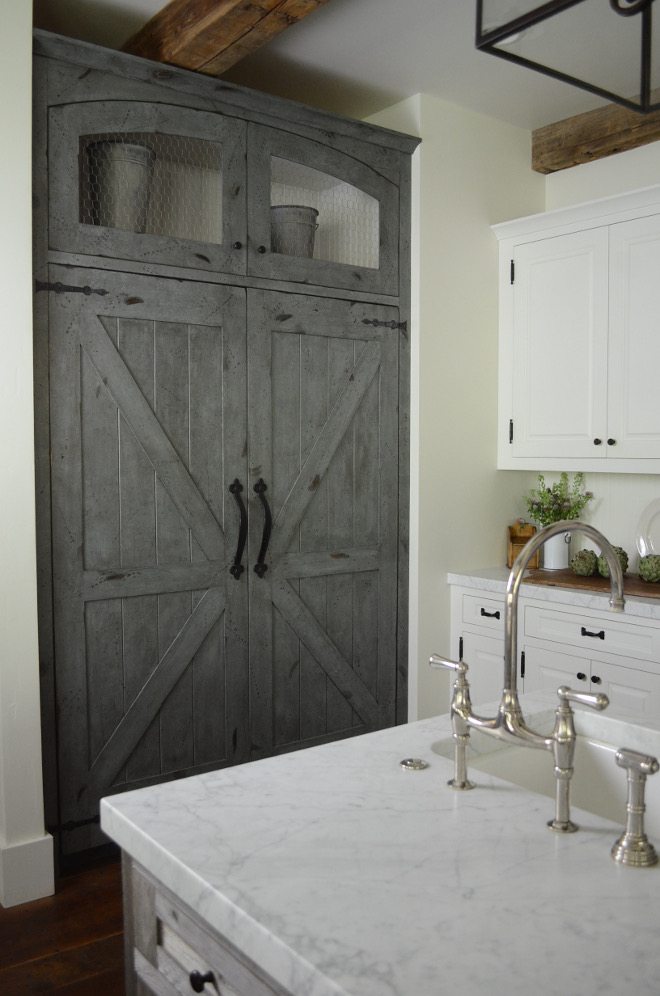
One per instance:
(598,636)
(198,981)
(491,615)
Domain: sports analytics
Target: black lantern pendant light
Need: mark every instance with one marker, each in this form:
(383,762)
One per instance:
(608,47)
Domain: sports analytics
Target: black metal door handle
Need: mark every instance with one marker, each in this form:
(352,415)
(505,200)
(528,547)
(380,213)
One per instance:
(261,567)
(237,568)
(600,635)
(198,981)
(491,615)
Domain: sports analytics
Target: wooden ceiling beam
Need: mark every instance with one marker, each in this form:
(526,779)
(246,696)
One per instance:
(210,36)
(590,136)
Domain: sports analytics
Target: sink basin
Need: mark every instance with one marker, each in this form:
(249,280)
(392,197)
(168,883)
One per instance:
(598,785)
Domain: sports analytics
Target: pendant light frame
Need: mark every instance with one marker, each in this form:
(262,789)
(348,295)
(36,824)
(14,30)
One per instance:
(487,41)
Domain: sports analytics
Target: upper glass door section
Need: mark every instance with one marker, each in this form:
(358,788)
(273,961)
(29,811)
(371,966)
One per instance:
(317,215)
(148,182)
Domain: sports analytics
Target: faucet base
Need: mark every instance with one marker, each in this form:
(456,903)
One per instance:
(635,851)
(562,826)
(461,786)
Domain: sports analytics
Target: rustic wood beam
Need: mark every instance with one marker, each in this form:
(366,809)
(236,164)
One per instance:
(211,35)
(590,136)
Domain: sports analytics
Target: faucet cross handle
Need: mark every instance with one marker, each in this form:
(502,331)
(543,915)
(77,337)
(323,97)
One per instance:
(633,847)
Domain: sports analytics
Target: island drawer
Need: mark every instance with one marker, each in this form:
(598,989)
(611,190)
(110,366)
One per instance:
(593,633)
(174,951)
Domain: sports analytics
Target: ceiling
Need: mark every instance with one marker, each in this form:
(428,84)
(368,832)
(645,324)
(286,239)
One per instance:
(358,57)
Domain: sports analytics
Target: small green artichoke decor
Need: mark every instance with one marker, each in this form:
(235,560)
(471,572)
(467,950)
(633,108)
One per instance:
(604,570)
(559,502)
(584,563)
(649,567)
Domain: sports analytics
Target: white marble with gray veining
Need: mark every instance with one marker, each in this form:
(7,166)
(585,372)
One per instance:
(494,579)
(341,873)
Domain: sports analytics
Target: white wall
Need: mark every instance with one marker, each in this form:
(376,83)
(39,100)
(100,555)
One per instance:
(26,853)
(472,172)
(619,499)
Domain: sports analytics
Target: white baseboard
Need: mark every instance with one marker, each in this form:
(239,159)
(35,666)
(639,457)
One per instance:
(26,871)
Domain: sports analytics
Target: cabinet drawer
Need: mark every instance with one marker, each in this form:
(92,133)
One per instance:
(593,634)
(184,947)
(486,613)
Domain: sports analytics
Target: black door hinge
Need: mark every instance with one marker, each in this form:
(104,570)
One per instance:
(513,270)
(522,663)
(510,430)
(398,326)
(60,288)
(73,824)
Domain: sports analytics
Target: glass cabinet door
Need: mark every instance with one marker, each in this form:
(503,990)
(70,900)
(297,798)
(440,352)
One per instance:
(148,182)
(318,215)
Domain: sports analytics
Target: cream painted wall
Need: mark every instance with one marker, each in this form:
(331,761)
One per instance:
(472,171)
(26,853)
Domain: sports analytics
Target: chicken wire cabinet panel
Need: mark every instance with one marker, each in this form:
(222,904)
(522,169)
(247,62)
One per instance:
(221,344)
(579,298)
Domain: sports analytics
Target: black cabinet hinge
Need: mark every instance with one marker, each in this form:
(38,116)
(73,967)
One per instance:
(510,430)
(73,824)
(60,288)
(522,663)
(513,270)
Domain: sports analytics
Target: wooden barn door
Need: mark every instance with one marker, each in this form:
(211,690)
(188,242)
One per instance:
(148,435)
(323,449)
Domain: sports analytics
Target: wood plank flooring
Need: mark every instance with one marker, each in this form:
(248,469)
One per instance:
(67,944)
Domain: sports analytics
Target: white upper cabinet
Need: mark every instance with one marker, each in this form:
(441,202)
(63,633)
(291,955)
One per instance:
(579,345)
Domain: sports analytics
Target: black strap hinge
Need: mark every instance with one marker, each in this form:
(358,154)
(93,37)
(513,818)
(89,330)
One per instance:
(73,824)
(60,288)
(397,326)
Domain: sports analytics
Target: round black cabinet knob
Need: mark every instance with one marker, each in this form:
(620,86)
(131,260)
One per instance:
(597,442)
(595,680)
(262,249)
(581,676)
(611,442)
(237,245)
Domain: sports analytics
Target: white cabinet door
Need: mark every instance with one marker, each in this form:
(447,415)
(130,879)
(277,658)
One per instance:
(631,692)
(634,340)
(559,345)
(484,657)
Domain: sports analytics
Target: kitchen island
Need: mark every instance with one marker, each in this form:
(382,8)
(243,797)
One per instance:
(334,870)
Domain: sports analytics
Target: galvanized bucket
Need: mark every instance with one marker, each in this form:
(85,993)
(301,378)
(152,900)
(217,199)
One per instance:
(120,176)
(293,228)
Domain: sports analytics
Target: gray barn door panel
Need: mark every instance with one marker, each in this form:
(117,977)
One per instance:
(147,434)
(323,436)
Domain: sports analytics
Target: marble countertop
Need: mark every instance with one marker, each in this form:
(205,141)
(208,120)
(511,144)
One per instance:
(494,579)
(342,874)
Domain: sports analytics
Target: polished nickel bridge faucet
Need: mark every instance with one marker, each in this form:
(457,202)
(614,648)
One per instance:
(509,724)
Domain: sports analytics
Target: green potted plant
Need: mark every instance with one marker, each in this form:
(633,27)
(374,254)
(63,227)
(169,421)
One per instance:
(560,502)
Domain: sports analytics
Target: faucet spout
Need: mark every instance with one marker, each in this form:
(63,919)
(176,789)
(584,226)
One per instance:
(513,585)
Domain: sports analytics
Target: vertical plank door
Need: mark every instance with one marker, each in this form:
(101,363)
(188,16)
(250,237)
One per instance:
(148,435)
(323,442)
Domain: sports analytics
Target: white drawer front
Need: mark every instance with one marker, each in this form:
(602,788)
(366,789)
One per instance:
(593,635)
(487,613)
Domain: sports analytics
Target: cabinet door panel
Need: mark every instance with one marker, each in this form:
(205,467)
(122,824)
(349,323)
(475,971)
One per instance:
(356,244)
(484,656)
(559,346)
(149,182)
(634,346)
(147,617)
(322,393)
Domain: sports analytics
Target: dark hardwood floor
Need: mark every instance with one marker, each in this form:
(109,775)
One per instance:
(69,943)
